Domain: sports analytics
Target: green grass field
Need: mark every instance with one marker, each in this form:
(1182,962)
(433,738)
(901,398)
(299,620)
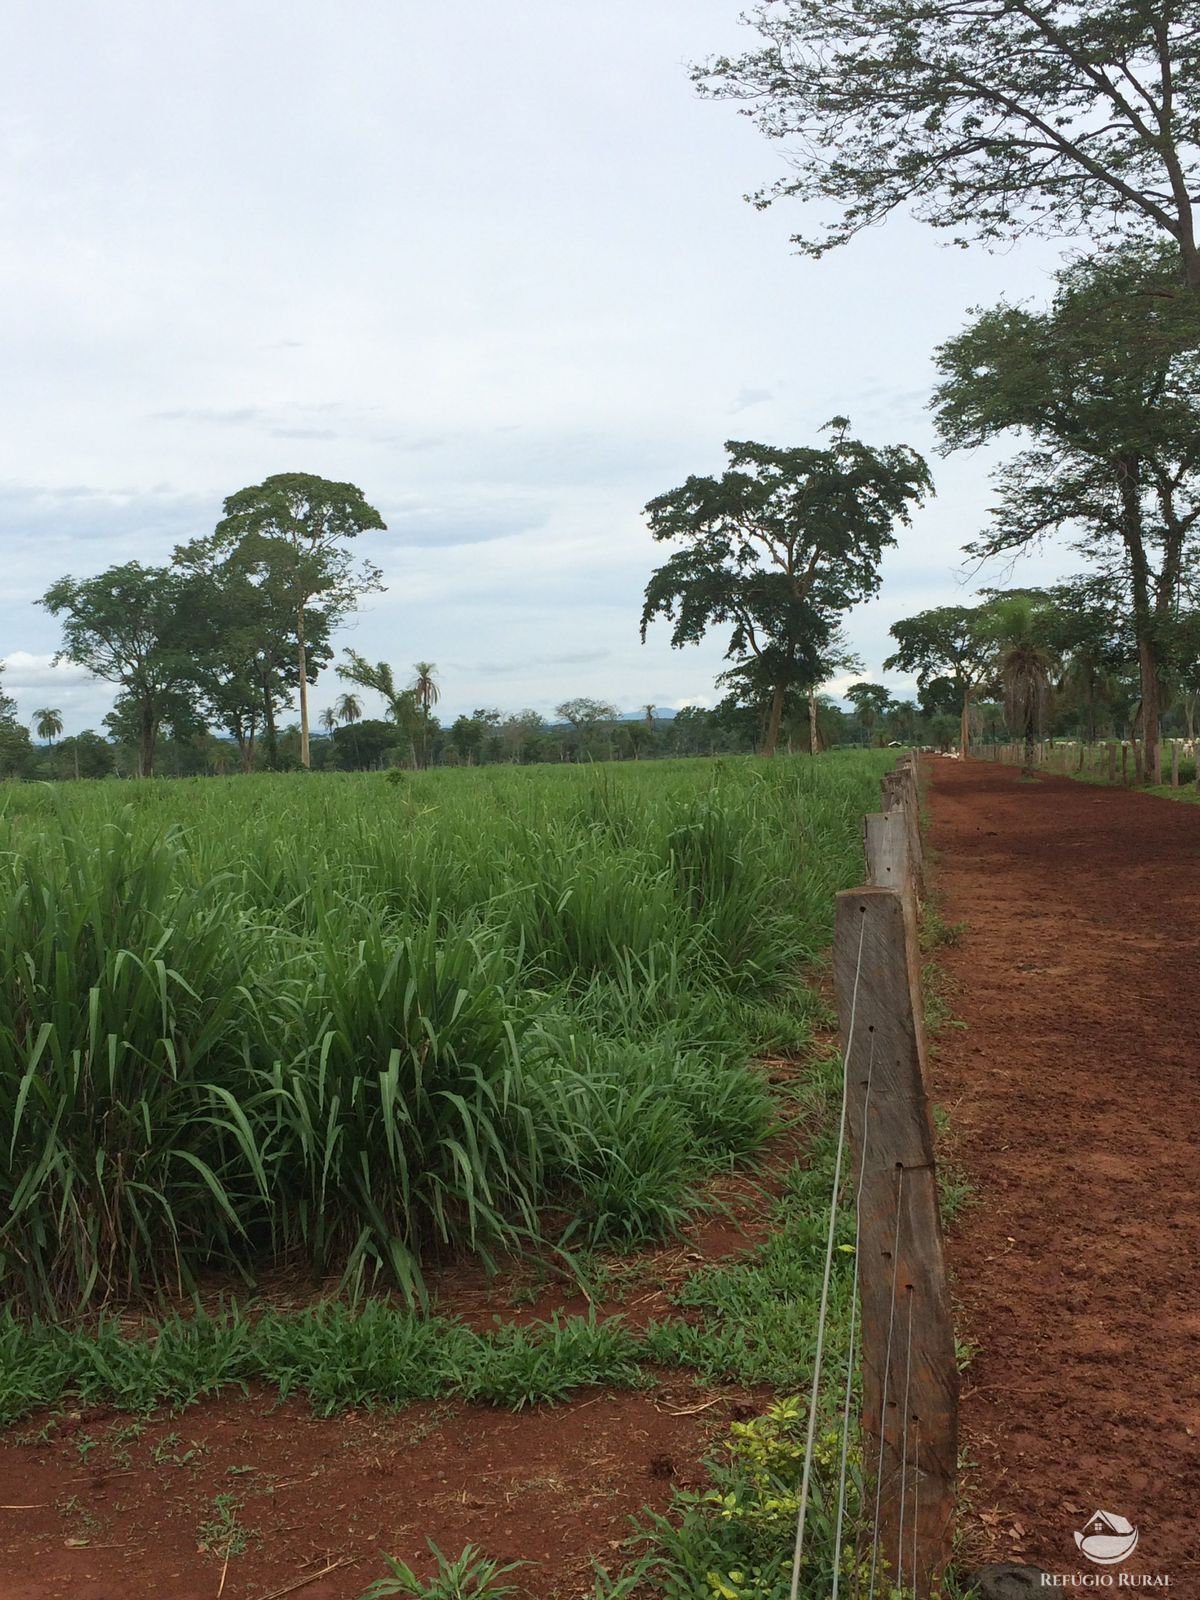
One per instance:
(352,1023)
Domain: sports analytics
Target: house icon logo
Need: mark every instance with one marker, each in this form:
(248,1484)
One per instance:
(1107,1539)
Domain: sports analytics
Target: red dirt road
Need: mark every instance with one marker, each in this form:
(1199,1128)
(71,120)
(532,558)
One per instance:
(1074,1093)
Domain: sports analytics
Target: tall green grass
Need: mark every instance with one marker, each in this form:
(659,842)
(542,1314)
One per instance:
(352,1024)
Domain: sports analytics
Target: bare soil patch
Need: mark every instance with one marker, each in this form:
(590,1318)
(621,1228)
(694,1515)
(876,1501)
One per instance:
(1074,1089)
(104,1505)
(95,1514)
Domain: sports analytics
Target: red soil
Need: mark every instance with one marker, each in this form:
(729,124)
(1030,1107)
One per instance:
(88,1514)
(1074,1092)
(553,1486)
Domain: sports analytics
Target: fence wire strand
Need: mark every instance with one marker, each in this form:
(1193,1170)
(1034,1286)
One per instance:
(887,1377)
(849,1395)
(810,1441)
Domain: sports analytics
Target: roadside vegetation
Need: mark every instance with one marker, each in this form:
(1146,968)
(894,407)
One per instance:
(357,1025)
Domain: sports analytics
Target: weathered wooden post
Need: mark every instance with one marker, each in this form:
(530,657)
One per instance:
(900,793)
(1124,762)
(910,1379)
(1112,763)
(1174,763)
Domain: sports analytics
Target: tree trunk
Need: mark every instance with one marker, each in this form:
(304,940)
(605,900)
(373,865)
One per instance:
(1129,472)
(1148,669)
(1030,745)
(269,721)
(302,663)
(1191,259)
(814,731)
(774,720)
(77,758)
(149,736)
(964,730)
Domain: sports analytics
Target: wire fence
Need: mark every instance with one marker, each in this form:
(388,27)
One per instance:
(900,1339)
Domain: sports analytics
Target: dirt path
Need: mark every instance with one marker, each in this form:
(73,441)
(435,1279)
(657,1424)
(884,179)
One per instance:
(1074,1090)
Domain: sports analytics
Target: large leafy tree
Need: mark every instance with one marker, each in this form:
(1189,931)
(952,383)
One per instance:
(987,118)
(129,625)
(871,701)
(588,718)
(1105,386)
(295,527)
(240,633)
(946,642)
(777,547)
(1090,632)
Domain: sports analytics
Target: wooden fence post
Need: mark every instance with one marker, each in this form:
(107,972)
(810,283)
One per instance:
(1124,762)
(910,1379)
(900,793)
(1112,763)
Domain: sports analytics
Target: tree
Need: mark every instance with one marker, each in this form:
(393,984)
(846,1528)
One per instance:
(871,701)
(1025,665)
(85,755)
(348,708)
(1183,650)
(240,635)
(587,717)
(522,734)
(777,547)
(424,688)
(328,719)
(128,626)
(989,118)
(1105,383)
(1089,633)
(294,527)
(950,642)
(16,749)
(48,724)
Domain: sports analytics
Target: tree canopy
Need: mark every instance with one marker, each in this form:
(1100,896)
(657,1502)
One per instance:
(777,547)
(950,642)
(990,119)
(292,528)
(1105,384)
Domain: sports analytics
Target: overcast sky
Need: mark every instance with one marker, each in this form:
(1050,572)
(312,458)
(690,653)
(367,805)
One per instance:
(489,261)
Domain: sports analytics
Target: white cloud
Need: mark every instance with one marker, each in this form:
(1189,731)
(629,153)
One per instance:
(24,671)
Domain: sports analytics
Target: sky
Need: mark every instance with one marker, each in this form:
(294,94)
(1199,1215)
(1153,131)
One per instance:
(490,262)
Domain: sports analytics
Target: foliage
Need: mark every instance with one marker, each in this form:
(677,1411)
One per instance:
(947,642)
(989,119)
(1025,663)
(291,531)
(473,1576)
(415,1020)
(128,626)
(1104,384)
(776,548)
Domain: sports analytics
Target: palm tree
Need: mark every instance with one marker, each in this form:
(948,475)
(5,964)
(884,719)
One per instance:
(1025,666)
(424,687)
(328,719)
(349,708)
(48,724)
(649,716)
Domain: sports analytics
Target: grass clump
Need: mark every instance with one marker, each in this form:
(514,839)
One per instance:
(321,1020)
